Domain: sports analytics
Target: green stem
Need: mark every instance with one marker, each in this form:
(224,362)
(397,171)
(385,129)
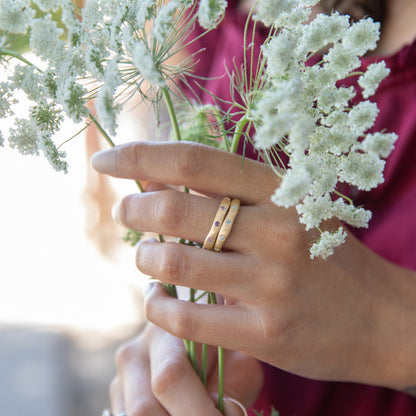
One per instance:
(221,379)
(349,200)
(238,133)
(204,364)
(213,299)
(172,113)
(13,54)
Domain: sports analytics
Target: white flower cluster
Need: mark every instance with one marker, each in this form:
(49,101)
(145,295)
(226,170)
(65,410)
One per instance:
(305,112)
(107,51)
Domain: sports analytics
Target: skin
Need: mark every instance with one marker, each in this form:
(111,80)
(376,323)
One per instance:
(355,311)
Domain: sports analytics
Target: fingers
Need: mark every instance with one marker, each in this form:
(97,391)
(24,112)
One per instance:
(116,396)
(183,215)
(218,325)
(135,375)
(174,381)
(228,274)
(199,167)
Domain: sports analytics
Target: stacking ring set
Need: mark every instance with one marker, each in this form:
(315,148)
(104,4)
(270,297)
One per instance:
(222,225)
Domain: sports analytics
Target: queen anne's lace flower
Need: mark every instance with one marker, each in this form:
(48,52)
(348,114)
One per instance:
(163,21)
(15,15)
(362,36)
(324,247)
(370,81)
(143,61)
(210,12)
(44,37)
(24,137)
(381,144)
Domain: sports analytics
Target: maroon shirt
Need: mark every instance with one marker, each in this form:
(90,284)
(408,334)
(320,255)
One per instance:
(392,231)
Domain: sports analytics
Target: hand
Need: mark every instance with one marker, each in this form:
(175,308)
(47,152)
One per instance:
(348,318)
(155,378)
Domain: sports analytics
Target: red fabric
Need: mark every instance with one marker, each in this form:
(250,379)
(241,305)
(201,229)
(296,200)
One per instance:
(392,231)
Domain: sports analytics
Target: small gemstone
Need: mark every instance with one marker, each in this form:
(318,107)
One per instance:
(222,238)
(210,240)
(223,207)
(235,206)
(228,222)
(217,223)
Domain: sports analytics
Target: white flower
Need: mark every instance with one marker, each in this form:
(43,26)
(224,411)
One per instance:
(164,21)
(342,60)
(55,157)
(71,96)
(210,12)
(314,210)
(324,247)
(44,37)
(294,186)
(143,60)
(362,36)
(323,30)
(15,15)
(112,77)
(362,116)
(107,111)
(381,144)
(28,80)
(356,217)
(268,11)
(272,130)
(25,137)
(6,100)
(370,81)
(146,10)
(279,53)
(363,170)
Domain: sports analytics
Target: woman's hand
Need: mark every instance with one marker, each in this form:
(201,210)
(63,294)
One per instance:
(348,318)
(155,377)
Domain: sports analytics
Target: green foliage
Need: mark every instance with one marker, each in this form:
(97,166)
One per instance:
(133,237)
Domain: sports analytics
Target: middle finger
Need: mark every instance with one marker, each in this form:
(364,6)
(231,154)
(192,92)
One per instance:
(185,216)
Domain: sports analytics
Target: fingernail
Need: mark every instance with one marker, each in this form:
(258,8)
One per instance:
(104,161)
(233,407)
(149,287)
(115,212)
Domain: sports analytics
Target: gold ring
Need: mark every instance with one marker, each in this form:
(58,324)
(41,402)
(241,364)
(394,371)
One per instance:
(216,225)
(227,225)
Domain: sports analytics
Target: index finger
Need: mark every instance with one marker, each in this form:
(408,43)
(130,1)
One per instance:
(199,167)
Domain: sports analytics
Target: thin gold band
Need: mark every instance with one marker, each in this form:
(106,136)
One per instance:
(216,225)
(227,225)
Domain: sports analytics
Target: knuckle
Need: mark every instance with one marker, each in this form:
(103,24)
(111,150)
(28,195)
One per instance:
(127,158)
(125,208)
(170,209)
(191,160)
(125,353)
(168,377)
(172,264)
(184,325)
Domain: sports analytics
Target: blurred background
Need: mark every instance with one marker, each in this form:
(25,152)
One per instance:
(69,289)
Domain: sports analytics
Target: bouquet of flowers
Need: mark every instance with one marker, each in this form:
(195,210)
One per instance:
(292,105)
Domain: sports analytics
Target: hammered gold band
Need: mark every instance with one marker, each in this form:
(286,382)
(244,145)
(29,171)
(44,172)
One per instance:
(222,224)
